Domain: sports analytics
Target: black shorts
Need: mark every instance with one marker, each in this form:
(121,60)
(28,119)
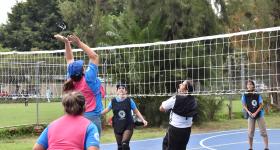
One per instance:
(176,138)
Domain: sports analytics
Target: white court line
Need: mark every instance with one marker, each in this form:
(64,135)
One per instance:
(220,145)
(219,132)
(226,131)
(197,134)
(203,140)
(209,147)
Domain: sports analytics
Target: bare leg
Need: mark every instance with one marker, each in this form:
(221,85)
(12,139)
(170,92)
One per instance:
(262,127)
(251,131)
(265,140)
(251,143)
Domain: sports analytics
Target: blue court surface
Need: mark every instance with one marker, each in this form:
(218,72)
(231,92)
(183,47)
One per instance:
(223,140)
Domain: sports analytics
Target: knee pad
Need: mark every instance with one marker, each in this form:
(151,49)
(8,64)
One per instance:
(125,146)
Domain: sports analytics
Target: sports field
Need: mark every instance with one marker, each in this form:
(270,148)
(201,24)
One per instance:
(15,114)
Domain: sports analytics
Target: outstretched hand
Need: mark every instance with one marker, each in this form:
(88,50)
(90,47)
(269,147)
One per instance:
(74,39)
(61,38)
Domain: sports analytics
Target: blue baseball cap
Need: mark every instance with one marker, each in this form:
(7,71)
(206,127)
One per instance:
(75,68)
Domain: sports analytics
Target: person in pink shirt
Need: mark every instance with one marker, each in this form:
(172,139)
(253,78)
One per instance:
(83,80)
(72,130)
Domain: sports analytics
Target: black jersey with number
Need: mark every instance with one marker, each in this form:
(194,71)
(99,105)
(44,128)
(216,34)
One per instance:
(122,118)
(252,102)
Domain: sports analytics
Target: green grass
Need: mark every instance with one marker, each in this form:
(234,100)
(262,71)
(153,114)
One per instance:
(236,106)
(18,114)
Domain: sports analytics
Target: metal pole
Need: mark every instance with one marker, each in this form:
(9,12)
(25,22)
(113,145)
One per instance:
(105,85)
(37,82)
(242,74)
(230,81)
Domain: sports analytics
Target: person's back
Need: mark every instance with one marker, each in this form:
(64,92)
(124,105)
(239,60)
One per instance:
(72,132)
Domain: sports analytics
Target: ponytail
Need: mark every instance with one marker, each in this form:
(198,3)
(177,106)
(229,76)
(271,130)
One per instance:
(68,85)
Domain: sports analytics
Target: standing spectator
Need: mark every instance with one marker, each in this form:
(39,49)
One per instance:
(25,97)
(122,118)
(71,131)
(253,104)
(48,94)
(84,81)
(183,108)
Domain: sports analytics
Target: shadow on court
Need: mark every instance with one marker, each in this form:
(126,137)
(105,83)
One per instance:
(223,140)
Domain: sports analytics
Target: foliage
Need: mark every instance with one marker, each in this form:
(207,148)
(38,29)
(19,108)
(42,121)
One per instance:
(4,49)
(252,14)
(31,25)
(209,106)
(18,131)
(149,107)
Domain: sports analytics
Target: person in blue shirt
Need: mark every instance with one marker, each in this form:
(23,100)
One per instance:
(253,105)
(122,117)
(72,130)
(83,80)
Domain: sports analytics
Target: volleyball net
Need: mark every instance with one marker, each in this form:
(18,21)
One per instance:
(218,64)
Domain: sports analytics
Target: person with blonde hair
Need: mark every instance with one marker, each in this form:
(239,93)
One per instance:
(72,130)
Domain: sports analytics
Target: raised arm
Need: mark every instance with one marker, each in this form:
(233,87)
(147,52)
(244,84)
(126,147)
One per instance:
(93,57)
(68,50)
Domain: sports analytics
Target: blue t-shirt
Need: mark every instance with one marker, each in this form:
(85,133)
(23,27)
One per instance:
(94,84)
(260,100)
(91,139)
(132,103)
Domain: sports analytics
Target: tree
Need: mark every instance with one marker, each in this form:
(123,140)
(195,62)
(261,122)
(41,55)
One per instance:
(253,14)
(31,26)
